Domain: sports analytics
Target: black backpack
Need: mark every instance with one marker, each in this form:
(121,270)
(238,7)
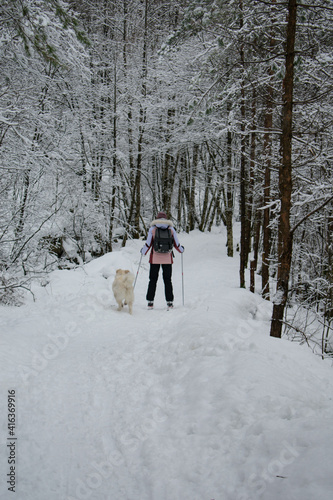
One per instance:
(163,240)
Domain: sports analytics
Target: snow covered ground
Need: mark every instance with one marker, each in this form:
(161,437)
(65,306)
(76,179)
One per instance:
(198,403)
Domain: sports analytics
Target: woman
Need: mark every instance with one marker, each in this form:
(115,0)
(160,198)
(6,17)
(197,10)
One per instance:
(158,259)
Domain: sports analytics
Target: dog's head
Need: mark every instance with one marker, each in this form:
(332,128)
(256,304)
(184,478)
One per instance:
(121,272)
(124,276)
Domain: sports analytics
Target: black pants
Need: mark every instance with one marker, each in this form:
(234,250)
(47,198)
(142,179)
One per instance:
(153,277)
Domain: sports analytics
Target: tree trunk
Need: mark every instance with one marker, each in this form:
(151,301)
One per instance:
(135,207)
(191,201)
(266,230)
(250,201)
(180,191)
(243,182)
(23,205)
(206,205)
(285,179)
(267,177)
(114,161)
(229,209)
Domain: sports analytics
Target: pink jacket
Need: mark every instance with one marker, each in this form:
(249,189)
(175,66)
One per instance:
(160,258)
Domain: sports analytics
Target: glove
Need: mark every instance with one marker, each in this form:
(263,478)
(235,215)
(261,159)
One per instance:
(182,249)
(143,250)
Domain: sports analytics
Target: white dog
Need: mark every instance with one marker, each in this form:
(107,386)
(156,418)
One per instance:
(123,289)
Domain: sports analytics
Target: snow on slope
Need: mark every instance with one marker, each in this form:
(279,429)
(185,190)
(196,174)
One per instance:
(198,403)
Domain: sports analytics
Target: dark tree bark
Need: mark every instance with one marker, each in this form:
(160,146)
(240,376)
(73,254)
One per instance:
(243,180)
(250,198)
(192,189)
(267,177)
(229,208)
(267,199)
(285,178)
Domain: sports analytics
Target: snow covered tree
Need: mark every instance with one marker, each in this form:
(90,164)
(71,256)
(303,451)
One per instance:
(35,60)
(285,178)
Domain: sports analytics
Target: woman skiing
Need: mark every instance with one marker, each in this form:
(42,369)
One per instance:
(162,237)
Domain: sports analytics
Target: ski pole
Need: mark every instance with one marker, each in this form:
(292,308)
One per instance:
(182,278)
(136,277)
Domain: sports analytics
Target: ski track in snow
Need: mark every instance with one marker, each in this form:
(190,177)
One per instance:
(197,403)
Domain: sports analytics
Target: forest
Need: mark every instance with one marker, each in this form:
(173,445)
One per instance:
(218,112)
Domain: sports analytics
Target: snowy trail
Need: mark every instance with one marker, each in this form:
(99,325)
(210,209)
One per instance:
(197,403)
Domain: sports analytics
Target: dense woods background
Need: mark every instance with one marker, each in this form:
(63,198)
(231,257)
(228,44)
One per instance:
(219,112)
